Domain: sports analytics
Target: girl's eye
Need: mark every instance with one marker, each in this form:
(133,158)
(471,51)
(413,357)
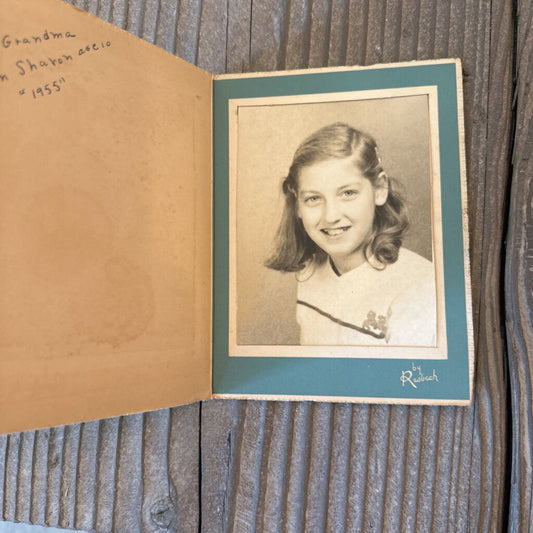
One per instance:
(349,193)
(311,200)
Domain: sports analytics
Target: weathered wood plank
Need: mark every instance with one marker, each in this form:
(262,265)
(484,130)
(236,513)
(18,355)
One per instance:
(187,30)
(54,478)
(376,467)
(184,466)
(392,31)
(267,23)
(410,26)
(295,52)
(128,484)
(104,10)
(11,476)
(159,510)
(272,486)
(118,14)
(69,475)
(339,468)
(24,481)
(396,473)
(165,25)
(212,36)
(297,459)
(469,39)
(39,481)
(357,28)
(108,436)
(134,16)
(316,490)
(3,472)
(413,459)
(519,282)
(86,476)
(256,466)
(490,429)
(375,32)
(444,468)
(150,20)
(219,431)
(238,35)
(427,469)
(359,433)
(245,498)
(320,33)
(336,46)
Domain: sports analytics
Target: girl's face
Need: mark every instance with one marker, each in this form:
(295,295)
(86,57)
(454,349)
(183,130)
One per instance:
(336,204)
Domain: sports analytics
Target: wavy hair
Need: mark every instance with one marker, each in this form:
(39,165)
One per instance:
(293,248)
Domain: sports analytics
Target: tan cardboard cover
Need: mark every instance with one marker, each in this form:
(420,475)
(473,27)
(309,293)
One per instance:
(105,220)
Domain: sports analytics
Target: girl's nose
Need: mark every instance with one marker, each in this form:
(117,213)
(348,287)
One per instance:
(331,212)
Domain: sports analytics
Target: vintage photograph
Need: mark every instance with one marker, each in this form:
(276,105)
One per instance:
(335,226)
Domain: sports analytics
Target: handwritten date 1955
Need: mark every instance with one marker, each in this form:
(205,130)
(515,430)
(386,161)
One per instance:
(45,90)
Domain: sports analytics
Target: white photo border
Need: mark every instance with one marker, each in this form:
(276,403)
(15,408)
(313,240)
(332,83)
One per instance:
(439,352)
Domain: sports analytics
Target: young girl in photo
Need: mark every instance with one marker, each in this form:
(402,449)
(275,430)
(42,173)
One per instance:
(341,231)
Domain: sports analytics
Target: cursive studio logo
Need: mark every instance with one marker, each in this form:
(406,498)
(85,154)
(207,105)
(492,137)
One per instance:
(414,376)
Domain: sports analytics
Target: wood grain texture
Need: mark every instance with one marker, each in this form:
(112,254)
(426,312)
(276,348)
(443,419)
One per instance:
(519,282)
(274,466)
(490,417)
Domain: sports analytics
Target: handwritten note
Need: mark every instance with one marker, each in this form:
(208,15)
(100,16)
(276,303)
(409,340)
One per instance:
(28,59)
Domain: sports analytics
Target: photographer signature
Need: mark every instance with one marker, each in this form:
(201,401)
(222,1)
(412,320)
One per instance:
(414,376)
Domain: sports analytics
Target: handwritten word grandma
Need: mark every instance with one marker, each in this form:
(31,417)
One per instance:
(9,41)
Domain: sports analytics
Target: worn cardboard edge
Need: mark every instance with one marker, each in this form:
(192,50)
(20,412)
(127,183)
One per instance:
(212,232)
(71,422)
(466,236)
(324,70)
(343,399)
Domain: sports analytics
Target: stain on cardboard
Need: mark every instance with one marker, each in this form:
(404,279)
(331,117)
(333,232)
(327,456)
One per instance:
(116,304)
(64,232)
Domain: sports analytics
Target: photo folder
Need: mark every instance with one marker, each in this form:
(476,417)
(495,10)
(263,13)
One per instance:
(116,229)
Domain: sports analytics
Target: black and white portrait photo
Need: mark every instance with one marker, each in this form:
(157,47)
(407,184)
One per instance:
(335,226)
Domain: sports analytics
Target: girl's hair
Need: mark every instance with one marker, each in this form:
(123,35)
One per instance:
(293,247)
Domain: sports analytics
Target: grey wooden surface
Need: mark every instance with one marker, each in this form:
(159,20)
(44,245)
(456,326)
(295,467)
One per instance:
(268,466)
(519,282)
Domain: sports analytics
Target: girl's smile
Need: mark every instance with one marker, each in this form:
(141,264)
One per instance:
(335,232)
(336,205)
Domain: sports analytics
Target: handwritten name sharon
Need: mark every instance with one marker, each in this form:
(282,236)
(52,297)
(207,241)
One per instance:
(9,41)
(25,65)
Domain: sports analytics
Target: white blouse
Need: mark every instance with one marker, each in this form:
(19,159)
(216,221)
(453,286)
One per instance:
(395,306)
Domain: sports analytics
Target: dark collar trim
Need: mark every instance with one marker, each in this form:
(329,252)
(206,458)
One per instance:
(341,322)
